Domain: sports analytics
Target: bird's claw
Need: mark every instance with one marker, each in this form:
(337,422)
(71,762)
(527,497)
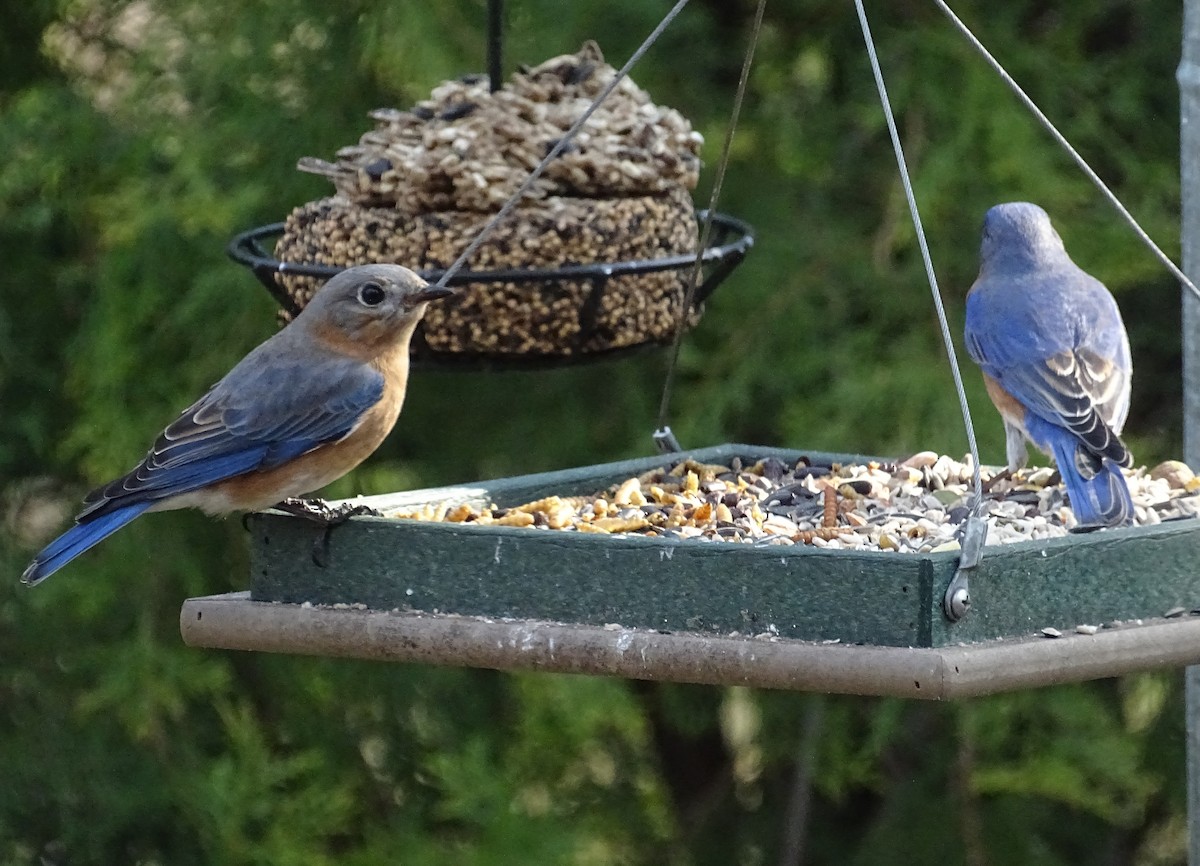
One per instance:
(345,511)
(320,511)
(329,516)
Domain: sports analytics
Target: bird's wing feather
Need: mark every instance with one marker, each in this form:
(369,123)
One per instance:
(257,417)
(1068,389)
(1074,386)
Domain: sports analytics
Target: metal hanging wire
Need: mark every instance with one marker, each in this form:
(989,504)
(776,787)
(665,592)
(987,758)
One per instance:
(1066,145)
(664,438)
(973,531)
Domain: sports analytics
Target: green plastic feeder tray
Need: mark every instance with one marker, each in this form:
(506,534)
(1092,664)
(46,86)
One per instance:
(683,585)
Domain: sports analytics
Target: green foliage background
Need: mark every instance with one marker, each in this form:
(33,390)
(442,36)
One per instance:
(137,137)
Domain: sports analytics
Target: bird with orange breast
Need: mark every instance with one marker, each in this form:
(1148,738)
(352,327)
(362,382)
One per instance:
(298,412)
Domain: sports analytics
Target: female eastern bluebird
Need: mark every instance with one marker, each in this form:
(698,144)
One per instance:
(299,411)
(1055,359)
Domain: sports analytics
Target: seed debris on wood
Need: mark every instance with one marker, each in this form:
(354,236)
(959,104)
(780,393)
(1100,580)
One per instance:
(913,506)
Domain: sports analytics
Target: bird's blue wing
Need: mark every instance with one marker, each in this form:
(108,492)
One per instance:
(1065,378)
(1065,390)
(258,417)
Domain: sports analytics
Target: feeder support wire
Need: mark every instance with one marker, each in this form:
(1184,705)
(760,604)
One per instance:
(559,147)
(1066,145)
(973,532)
(663,437)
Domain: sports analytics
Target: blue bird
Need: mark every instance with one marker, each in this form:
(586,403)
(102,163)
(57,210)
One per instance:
(1055,359)
(298,412)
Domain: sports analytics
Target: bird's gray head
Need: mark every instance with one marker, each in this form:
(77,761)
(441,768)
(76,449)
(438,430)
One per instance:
(370,305)
(1019,235)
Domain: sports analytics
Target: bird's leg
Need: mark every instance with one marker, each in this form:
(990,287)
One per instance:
(328,516)
(1014,441)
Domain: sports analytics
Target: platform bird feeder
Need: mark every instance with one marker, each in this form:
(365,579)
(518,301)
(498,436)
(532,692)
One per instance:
(686,608)
(596,263)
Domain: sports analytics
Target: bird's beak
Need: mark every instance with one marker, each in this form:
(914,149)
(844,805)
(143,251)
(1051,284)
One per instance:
(430,293)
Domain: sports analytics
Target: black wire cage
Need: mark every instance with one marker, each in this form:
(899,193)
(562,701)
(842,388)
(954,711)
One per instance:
(729,242)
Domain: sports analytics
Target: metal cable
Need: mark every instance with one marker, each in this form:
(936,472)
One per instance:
(663,432)
(1066,145)
(976,481)
(560,146)
(972,532)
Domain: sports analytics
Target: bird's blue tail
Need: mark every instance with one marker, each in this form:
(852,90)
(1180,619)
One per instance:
(77,539)
(1099,494)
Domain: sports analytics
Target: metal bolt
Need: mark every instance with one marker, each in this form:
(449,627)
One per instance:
(957,603)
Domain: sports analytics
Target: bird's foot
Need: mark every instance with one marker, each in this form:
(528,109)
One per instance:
(316,510)
(320,511)
(328,516)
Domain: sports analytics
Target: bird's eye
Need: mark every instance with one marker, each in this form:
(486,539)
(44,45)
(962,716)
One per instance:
(371,294)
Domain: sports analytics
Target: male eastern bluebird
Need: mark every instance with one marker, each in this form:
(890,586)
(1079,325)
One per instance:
(1055,359)
(298,412)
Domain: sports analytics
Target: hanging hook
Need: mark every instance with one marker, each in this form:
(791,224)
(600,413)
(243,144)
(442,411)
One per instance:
(665,441)
(972,537)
